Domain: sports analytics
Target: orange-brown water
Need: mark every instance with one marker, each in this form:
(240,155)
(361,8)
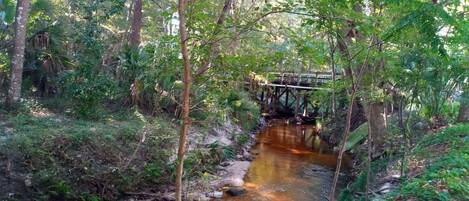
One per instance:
(284,152)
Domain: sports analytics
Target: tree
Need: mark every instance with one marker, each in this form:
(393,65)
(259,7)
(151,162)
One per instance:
(134,39)
(14,92)
(185,99)
(464,107)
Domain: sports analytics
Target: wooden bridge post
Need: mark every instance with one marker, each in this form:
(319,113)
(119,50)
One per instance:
(262,94)
(276,100)
(286,98)
(297,103)
(305,105)
(265,101)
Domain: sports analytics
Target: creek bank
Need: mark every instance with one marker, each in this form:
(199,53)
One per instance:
(229,174)
(121,158)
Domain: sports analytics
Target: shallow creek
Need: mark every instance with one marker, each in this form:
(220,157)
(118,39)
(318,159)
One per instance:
(291,163)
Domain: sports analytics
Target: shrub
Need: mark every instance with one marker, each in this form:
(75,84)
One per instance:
(446,175)
(86,93)
(242,139)
(245,111)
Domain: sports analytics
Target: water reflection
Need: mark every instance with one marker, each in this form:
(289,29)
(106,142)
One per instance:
(277,172)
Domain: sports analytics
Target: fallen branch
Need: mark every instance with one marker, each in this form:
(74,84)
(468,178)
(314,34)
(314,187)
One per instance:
(142,140)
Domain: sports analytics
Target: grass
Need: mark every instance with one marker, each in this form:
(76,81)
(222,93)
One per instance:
(71,158)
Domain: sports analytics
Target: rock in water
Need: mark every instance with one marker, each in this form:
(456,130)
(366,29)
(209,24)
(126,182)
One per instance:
(232,182)
(236,190)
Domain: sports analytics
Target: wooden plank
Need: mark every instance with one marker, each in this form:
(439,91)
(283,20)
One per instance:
(294,86)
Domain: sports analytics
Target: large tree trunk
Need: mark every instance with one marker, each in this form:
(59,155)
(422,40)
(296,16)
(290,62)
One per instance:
(185,99)
(464,107)
(134,39)
(377,124)
(14,91)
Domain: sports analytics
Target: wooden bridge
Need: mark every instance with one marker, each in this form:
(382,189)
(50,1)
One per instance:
(288,93)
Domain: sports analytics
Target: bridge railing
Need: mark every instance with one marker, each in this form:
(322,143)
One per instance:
(319,77)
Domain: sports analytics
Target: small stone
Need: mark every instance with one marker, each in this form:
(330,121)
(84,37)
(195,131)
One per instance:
(246,154)
(216,194)
(255,152)
(236,191)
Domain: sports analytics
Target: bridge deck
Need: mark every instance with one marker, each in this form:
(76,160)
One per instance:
(302,79)
(292,86)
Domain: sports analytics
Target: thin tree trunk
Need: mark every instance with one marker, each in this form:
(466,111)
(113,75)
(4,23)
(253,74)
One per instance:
(134,39)
(185,100)
(407,133)
(370,152)
(353,89)
(14,92)
(214,47)
(464,107)
(403,130)
(342,146)
(128,18)
(332,51)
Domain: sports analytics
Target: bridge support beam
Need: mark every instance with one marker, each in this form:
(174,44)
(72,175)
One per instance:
(305,105)
(297,105)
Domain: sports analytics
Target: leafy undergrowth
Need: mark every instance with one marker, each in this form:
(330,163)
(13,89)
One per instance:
(76,159)
(445,159)
(438,169)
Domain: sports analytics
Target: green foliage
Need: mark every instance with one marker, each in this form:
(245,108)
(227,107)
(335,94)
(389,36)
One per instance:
(60,190)
(446,174)
(423,56)
(448,111)
(7,12)
(358,185)
(242,139)
(445,179)
(153,172)
(245,111)
(221,152)
(150,73)
(86,93)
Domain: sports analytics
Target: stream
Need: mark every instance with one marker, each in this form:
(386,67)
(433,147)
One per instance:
(291,163)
